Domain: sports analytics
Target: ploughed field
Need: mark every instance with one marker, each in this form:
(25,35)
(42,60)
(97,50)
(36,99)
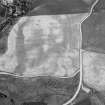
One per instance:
(44,45)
